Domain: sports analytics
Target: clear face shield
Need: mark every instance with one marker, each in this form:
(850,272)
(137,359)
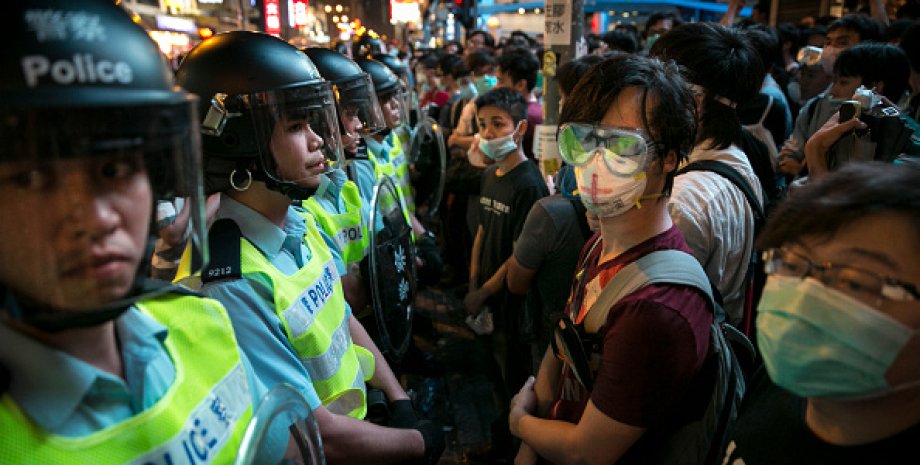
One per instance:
(82,189)
(395,105)
(297,132)
(359,110)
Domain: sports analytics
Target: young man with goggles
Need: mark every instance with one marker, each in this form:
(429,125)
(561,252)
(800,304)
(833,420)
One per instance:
(625,128)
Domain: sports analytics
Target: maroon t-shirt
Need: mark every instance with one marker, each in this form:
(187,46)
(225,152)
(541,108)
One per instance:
(653,343)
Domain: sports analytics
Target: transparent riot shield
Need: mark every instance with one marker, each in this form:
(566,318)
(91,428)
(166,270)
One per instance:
(392,269)
(282,431)
(427,153)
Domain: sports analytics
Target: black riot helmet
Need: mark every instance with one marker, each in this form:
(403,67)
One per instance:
(368,44)
(402,71)
(387,84)
(353,88)
(93,134)
(254,88)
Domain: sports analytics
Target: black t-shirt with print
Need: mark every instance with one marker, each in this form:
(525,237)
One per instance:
(771,430)
(504,203)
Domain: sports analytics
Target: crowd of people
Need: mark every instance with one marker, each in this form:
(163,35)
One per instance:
(215,263)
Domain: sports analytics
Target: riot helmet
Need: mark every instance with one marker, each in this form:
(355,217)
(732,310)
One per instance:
(390,91)
(266,114)
(368,44)
(410,97)
(93,132)
(358,108)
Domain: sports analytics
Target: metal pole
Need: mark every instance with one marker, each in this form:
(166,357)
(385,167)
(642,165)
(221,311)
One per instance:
(564,29)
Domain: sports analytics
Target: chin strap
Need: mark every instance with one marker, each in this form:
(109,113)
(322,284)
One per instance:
(51,320)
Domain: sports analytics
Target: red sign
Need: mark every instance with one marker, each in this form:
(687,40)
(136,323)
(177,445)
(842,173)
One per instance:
(272,17)
(300,13)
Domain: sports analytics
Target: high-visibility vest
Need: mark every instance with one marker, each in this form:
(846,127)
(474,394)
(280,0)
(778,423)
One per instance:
(311,306)
(400,164)
(200,419)
(385,168)
(347,229)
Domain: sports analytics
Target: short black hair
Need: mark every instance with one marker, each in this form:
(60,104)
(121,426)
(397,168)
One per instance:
(867,28)
(843,197)
(909,10)
(520,63)
(479,58)
(506,99)
(571,71)
(447,62)
(874,62)
(722,61)
(896,29)
(667,109)
(621,40)
(486,37)
(661,15)
(765,41)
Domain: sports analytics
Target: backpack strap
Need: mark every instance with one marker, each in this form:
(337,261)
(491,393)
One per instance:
(662,266)
(580,214)
(729,173)
(766,111)
(225,260)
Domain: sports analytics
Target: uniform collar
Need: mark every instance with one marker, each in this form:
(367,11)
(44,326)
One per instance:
(49,385)
(262,233)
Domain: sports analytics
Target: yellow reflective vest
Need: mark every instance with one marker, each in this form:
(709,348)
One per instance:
(200,420)
(347,229)
(311,306)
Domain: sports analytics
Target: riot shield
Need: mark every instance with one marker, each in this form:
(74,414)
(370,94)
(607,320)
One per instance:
(391,258)
(427,153)
(282,431)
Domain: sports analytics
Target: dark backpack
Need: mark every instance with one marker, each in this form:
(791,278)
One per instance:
(703,437)
(756,276)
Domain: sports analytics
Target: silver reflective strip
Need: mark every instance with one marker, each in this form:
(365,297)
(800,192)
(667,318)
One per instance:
(353,399)
(303,310)
(325,365)
(209,426)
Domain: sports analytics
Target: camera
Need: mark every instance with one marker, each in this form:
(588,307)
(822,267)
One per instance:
(886,135)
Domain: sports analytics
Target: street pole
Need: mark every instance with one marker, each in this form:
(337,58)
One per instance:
(564,30)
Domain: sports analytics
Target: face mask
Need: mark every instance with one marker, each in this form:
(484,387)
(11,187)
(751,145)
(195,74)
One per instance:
(606,194)
(468,91)
(828,58)
(485,83)
(651,41)
(819,342)
(499,148)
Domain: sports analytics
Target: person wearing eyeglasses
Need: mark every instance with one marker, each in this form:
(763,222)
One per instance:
(837,325)
(625,128)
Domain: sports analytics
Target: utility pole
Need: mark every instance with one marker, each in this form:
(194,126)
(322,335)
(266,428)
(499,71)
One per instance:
(563,32)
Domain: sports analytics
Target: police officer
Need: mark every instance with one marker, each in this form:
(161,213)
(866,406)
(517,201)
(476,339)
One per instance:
(98,364)
(269,136)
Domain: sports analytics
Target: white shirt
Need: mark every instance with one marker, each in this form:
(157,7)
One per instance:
(717,222)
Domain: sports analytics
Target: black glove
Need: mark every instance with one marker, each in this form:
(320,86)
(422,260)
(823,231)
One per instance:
(433,436)
(427,247)
(402,414)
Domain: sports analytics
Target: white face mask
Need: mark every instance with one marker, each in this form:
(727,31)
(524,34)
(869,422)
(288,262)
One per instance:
(499,147)
(606,194)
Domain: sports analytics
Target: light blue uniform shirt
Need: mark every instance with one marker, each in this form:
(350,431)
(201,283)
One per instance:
(251,304)
(69,397)
(366,178)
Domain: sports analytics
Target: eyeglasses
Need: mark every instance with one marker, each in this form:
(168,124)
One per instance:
(861,284)
(625,151)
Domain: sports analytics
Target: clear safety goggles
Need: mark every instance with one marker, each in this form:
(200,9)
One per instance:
(295,125)
(625,151)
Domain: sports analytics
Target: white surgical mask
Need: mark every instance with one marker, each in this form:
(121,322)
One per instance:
(606,194)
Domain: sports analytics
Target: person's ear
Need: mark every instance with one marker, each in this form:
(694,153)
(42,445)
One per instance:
(521,130)
(669,162)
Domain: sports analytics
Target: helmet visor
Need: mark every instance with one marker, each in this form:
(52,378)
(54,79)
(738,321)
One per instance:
(625,151)
(80,217)
(298,133)
(395,104)
(359,109)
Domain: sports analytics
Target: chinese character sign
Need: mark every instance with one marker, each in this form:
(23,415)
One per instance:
(558,16)
(272,17)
